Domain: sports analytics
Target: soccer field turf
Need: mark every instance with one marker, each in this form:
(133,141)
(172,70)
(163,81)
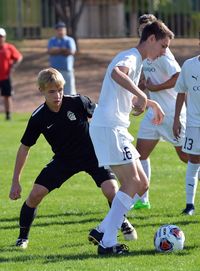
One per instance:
(58,237)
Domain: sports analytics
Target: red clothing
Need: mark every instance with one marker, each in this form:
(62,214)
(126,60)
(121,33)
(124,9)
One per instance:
(8,55)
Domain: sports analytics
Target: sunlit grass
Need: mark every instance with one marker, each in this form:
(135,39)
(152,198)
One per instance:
(58,237)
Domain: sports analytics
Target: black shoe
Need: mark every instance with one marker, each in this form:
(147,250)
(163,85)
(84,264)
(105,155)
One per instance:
(117,249)
(189,210)
(95,236)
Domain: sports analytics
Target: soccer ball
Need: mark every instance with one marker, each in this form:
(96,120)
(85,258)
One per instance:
(169,238)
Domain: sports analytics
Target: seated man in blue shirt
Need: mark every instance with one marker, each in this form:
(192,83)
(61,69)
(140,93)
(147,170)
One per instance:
(61,49)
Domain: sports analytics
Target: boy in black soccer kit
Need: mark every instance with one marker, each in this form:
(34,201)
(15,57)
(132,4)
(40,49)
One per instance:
(63,120)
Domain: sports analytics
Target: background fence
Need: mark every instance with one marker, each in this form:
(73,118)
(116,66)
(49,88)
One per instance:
(100,18)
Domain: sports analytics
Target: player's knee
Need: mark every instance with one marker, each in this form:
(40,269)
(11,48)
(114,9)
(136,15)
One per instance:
(183,157)
(109,189)
(143,186)
(35,198)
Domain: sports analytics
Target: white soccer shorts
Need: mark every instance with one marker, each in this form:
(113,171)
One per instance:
(113,146)
(163,131)
(192,141)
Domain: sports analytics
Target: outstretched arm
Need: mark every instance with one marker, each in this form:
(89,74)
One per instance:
(22,154)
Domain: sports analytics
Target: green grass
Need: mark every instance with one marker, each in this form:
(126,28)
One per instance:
(58,238)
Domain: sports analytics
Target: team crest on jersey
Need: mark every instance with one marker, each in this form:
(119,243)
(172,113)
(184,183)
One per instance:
(71,116)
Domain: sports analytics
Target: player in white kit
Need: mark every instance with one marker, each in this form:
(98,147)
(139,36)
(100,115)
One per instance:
(160,76)
(188,86)
(109,134)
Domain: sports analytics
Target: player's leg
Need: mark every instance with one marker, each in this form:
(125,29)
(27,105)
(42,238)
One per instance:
(192,148)
(193,168)
(182,155)
(52,176)
(28,213)
(104,178)
(132,182)
(7,97)
(145,147)
(109,188)
(113,147)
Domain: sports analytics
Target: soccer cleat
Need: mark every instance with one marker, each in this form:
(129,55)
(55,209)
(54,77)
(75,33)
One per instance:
(189,210)
(142,205)
(95,236)
(22,243)
(128,231)
(117,249)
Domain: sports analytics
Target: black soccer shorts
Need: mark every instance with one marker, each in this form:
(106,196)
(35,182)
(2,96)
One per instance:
(6,87)
(58,171)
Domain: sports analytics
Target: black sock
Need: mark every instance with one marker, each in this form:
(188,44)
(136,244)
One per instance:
(27,216)
(8,115)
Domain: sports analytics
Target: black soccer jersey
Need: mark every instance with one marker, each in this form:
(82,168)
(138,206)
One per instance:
(67,131)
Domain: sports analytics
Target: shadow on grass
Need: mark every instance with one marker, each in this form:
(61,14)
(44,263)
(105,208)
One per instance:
(166,221)
(53,223)
(56,222)
(51,258)
(69,213)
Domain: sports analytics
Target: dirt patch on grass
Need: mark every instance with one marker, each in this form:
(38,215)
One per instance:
(90,66)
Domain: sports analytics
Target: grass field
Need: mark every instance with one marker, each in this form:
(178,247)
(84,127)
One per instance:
(58,238)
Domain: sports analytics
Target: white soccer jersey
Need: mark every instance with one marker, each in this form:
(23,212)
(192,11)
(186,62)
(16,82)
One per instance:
(159,71)
(115,102)
(189,82)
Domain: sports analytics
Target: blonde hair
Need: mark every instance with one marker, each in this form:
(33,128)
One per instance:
(50,76)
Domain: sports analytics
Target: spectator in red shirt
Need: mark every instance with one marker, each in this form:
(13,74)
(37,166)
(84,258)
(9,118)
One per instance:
(10,58)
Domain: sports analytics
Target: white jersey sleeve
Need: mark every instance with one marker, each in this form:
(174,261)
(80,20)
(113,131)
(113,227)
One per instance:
(168,64)
(189,82)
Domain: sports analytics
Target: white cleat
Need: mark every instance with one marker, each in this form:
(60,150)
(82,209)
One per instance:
(128,231)
(22,243)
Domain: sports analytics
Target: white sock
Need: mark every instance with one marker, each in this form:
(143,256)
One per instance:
(147,169)
(191,182)
(121,204)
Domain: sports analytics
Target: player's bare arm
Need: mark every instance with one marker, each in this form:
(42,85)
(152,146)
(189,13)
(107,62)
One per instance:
(158,112)
(22,154)
(166,85)
(179,104)
(119,75)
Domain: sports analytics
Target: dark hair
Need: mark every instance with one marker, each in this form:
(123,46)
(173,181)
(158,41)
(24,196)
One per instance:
(60,25)
(157,28)
(146,18)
